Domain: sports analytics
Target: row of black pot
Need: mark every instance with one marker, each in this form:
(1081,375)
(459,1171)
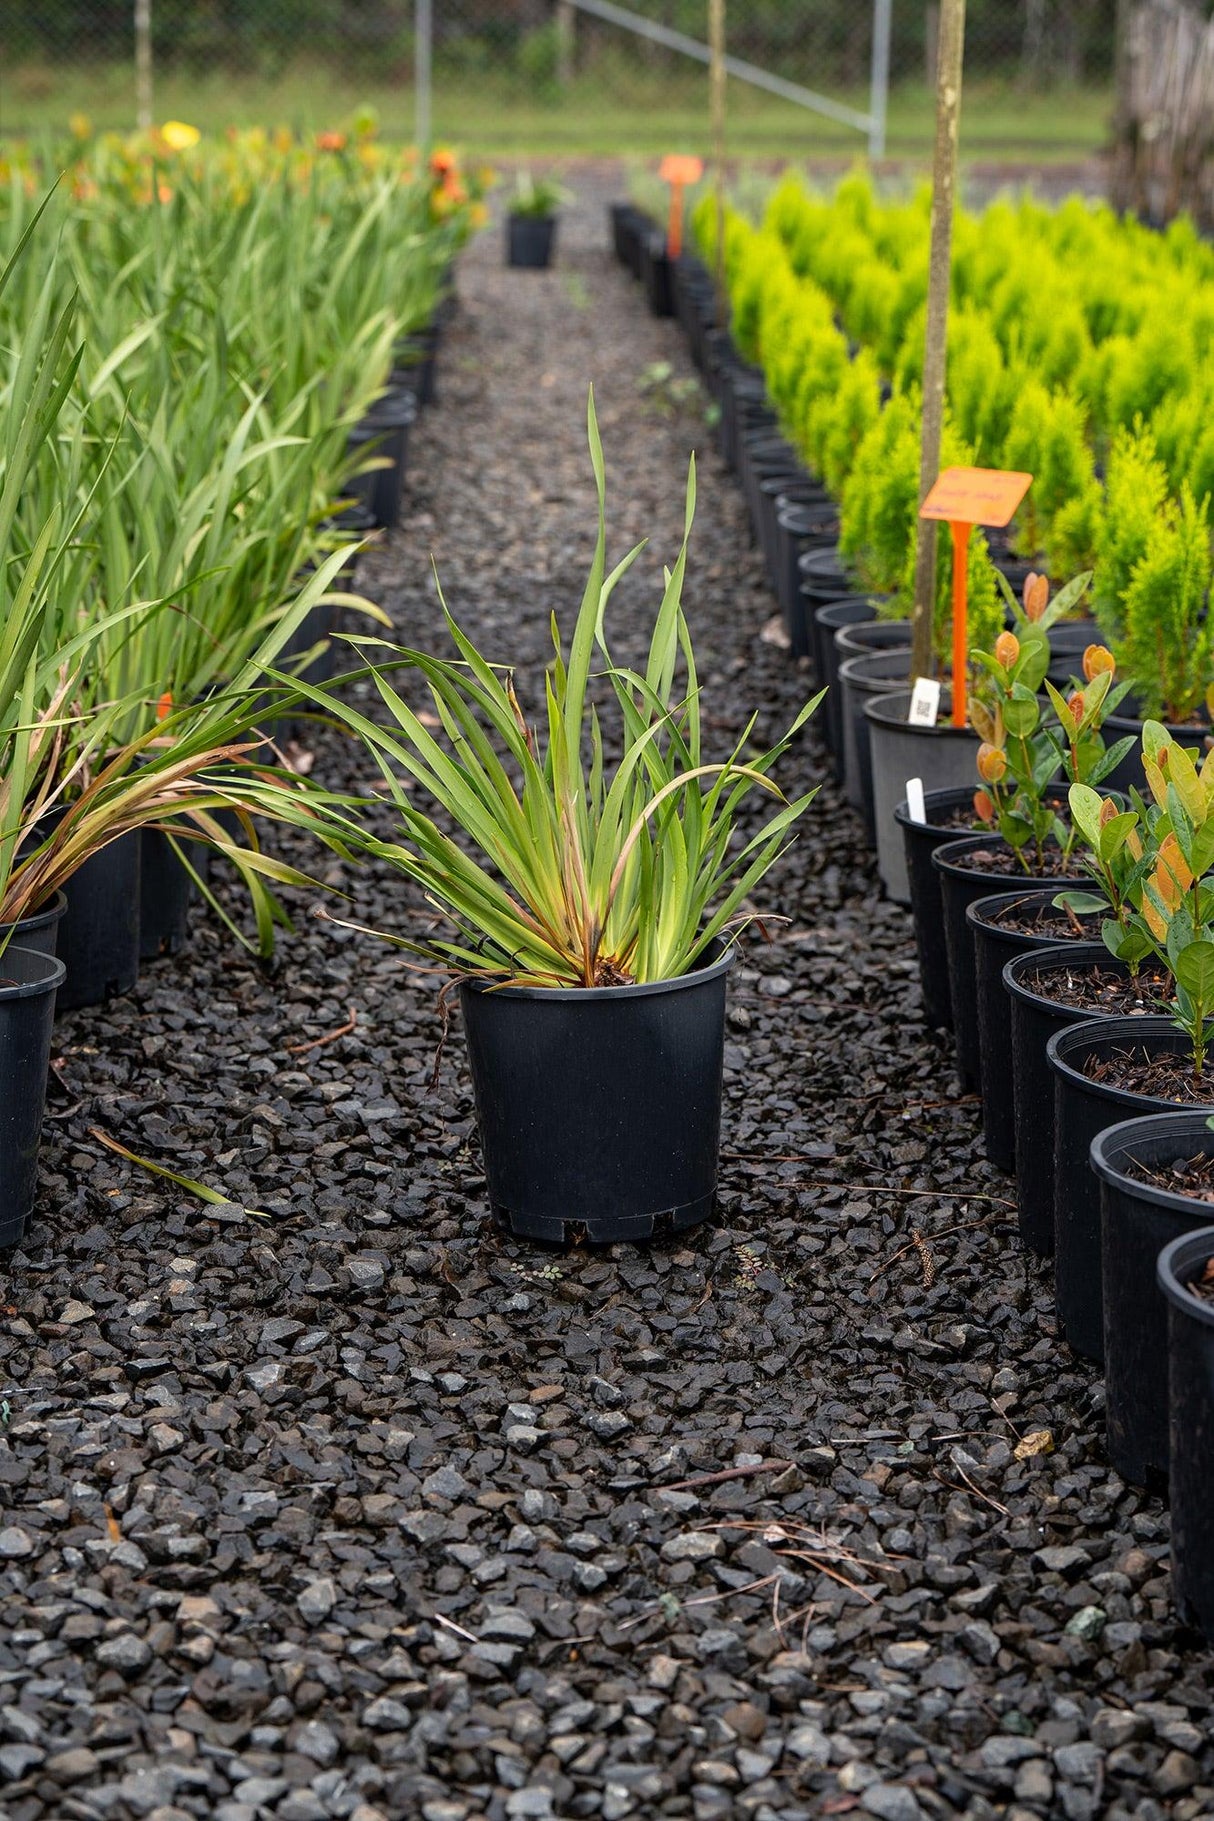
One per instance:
(640,246)
(383,432)
(130,902)
(998,968)
(1018,997)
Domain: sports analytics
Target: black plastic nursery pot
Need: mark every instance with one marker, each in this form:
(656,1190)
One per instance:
(384,432)
(99,935)
(391,418)
(1082,1109)
(742,394)
(826,577)
(1127,773)
(962,883)
(824,620)
(773,491)
(626,222)
(941,756)
(29,980)
(949,814)
(1038,1011)
(1190,1427)
(996,929)
(600,1107)
(39,932)
(530,240)
(764,456)
(166,892)
(655,273)
(1138,1218)
(867,674)
(800,527)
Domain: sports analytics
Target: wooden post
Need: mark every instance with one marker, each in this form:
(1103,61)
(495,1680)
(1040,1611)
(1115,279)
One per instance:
(944,184)
(564,42)
(716,95)
(423,48)
(143,65)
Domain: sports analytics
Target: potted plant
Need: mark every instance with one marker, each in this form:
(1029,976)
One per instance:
(1002,926)
(531,221)
(590,912)
(1156,1183)
(1186,1279)
(1024,762)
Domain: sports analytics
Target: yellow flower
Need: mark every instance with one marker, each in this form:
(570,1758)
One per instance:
(178,136)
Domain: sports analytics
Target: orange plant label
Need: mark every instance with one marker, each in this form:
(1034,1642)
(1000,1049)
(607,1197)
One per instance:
(678,167)
(976,496)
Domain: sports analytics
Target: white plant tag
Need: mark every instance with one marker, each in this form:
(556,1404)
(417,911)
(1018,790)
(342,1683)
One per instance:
(916,807)
(925,702)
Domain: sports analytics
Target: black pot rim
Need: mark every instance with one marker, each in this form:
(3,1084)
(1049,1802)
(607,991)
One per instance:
(711,970)
(952,794)
(49,974)
(1167,1273)
(50,913)
(852,670)
(1109,1030)
(891,710)
(1059,955)
(956,870)
(980,912)
(1185,1123)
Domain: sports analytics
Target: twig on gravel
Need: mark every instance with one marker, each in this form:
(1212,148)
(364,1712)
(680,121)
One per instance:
(914,1244)
(727,1473)
(970,1487)
(457,1629)
(316,1043)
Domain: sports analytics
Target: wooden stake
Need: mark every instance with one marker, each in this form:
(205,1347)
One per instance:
(143,65)
(944,185)
(716,94)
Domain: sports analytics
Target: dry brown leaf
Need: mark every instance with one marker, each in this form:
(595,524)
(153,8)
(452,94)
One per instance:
(1038,1441)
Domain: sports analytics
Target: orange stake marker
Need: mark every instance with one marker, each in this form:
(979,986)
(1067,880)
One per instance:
(965,497)
(678,171)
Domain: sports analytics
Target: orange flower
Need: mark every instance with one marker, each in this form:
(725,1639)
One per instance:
(330,142)
(442,160)
(1096,660)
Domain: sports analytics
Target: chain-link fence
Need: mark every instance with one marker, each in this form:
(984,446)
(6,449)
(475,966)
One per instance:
(537,75)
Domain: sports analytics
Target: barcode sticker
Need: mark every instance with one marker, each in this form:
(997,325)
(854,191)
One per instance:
(925,702)
(916,807)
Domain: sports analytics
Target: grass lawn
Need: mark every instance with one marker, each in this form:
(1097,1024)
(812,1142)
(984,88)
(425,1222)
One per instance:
(494,115)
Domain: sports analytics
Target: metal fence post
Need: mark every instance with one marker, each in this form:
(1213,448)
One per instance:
(143,64)
(879,92)
(422,61)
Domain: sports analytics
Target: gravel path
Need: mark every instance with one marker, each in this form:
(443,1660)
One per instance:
(370,1512)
